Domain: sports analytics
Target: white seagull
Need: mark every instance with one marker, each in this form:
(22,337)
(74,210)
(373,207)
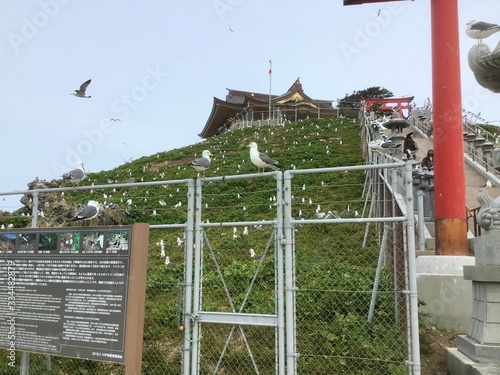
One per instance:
(480,30)
(202,164)
(168,263)
(89,212)
(77,174)
(261,160)
(80,93)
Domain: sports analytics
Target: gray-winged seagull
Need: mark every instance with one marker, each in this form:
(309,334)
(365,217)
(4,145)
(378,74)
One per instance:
(202,164)
(261,160)
(89,212)
(256,256)
(77,174)
(480,30)
(80,93)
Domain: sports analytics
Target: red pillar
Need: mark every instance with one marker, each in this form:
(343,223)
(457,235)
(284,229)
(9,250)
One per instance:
(449,176)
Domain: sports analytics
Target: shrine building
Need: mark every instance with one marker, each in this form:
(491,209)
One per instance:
(243,109)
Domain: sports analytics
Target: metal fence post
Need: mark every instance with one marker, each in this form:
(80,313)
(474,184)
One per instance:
(196,281)
(412,274)
(280,281)
(188,277)
(291,349)
(421,220)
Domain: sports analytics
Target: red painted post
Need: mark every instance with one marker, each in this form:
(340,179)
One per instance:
(449,176)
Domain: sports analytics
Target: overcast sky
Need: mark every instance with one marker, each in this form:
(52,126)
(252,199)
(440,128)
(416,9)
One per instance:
(156,66)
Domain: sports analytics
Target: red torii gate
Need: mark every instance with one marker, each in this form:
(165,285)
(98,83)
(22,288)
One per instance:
(449,173)
(388,104)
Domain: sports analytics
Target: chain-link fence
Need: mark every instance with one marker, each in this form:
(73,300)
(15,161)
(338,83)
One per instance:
(163,204)
(351,282)
(310,275)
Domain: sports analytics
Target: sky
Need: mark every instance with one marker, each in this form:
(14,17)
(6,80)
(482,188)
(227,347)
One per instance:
(157,65)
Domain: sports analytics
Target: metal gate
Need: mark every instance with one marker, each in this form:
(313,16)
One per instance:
(364,321)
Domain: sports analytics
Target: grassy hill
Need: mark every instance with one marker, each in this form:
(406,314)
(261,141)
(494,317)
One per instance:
(332,322)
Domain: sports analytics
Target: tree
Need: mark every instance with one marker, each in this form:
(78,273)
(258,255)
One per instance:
(352,101)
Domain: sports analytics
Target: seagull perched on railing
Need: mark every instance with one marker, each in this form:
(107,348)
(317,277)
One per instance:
(202,164)
(261,160)
(80,93)
(480,30)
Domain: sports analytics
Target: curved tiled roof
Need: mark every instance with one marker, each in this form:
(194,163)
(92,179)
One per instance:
(294,100)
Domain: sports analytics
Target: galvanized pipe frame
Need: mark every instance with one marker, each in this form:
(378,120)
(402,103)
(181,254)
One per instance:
(198,316)
(413,361)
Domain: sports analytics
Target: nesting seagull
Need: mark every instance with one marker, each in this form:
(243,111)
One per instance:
(261,160)
(80,93)
(480,30)
(256,256)
(76,175)
(202,164)
(89,212)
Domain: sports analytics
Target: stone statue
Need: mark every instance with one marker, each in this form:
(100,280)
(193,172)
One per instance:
(488,216)
(485,65)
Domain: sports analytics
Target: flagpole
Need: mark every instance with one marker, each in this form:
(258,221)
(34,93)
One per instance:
(270,75)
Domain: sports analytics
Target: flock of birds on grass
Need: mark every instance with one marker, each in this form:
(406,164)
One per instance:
(259,159)
(92,210)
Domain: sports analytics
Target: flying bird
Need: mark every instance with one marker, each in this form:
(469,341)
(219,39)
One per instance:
(80,93)
(75,175)
(89,212)
(480,30)
(261,160)
(202,164)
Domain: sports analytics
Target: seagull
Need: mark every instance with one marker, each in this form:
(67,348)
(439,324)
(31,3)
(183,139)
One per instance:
(89,212)
(168,263)
(344,213)
(202,164)
(256,256)
(480,30)
(261,160)
(76,175)
(487,184)
(180,242)
(80,93)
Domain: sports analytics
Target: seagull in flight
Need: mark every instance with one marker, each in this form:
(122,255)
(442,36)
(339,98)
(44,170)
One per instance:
(80,93)
(480,30)
(76,175)
(202,164)
(261,160)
